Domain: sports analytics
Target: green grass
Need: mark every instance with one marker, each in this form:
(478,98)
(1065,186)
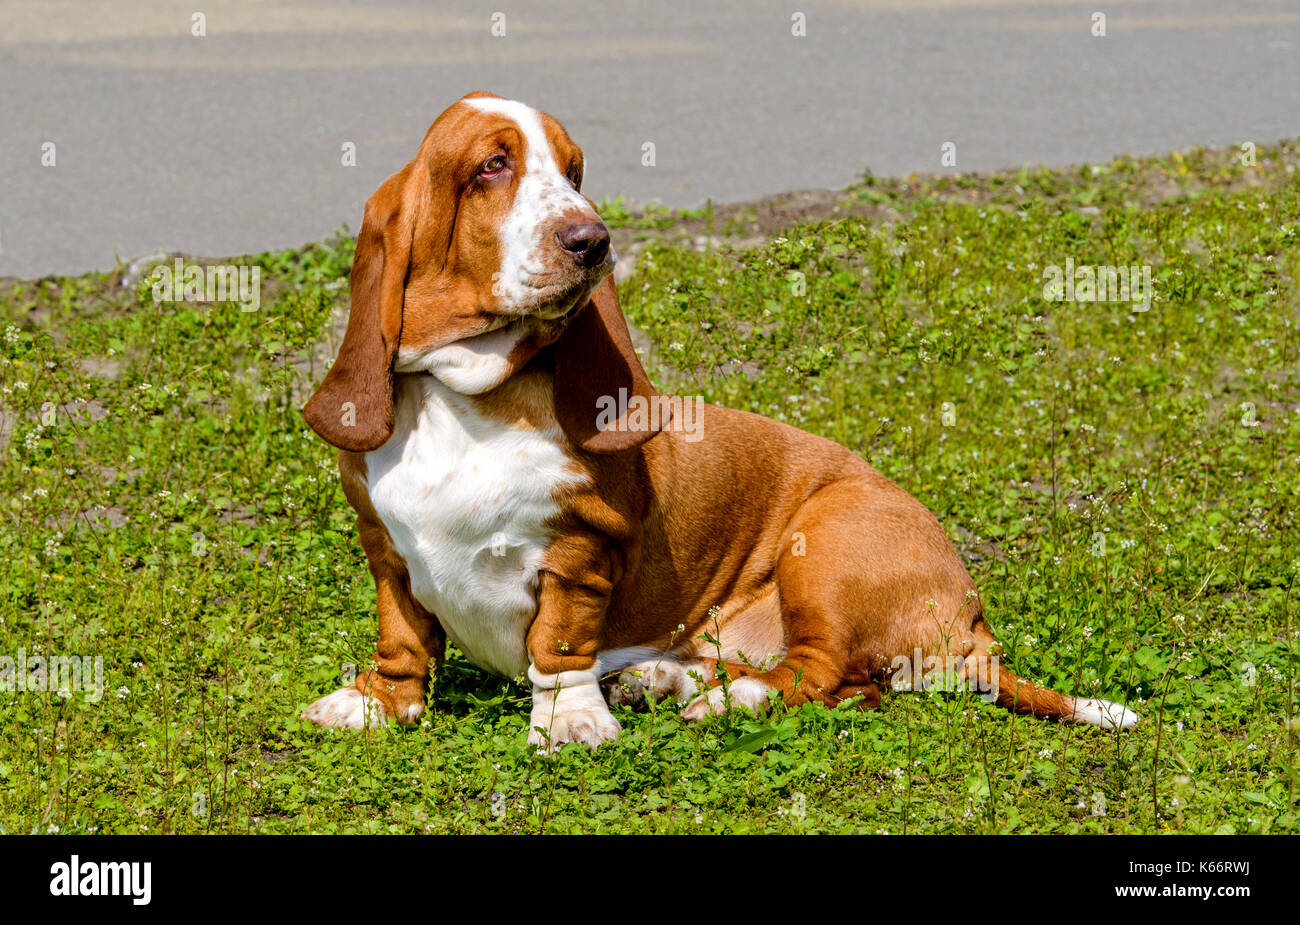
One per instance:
(174,515)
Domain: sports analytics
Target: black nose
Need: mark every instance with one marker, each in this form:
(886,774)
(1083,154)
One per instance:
(586,242)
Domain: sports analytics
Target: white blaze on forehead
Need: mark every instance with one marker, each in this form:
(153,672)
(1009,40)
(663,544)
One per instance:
(541,196)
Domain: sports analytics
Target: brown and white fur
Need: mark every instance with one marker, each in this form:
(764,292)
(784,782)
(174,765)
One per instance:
(496,511)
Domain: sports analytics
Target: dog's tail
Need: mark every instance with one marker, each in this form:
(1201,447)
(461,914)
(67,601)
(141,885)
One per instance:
(1020,696)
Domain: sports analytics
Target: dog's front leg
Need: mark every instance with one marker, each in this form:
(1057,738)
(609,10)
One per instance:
(563,646)
(410,639)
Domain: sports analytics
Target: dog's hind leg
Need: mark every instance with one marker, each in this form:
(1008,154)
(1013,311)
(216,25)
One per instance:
(865,573)
(655,679)
(817,578)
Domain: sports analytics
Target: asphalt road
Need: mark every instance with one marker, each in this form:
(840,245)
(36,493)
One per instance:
(232,142)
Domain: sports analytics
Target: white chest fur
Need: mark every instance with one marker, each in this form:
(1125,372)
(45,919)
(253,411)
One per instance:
(466,499)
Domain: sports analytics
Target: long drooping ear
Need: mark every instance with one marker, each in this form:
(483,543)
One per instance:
(353,408)
(603,398)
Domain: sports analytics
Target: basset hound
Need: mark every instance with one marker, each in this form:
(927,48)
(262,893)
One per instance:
(522,490)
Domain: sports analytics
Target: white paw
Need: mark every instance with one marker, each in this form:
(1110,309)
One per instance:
(1105,714)
(585,725)
(568,707)
(347,708)
(744,692)
(656,679)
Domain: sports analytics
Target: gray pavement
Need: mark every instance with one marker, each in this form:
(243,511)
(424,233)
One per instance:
(232,142)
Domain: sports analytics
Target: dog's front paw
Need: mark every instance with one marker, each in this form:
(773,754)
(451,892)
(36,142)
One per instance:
(743,692)
(584,725)
(346,708)
(568,707)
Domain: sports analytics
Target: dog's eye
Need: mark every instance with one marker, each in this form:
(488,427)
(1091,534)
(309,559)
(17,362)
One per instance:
(492,166)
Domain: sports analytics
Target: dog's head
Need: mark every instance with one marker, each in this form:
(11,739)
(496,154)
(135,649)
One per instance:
(473,257)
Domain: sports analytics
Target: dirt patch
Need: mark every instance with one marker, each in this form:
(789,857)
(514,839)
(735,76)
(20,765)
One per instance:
(1088,189)
(742,225)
